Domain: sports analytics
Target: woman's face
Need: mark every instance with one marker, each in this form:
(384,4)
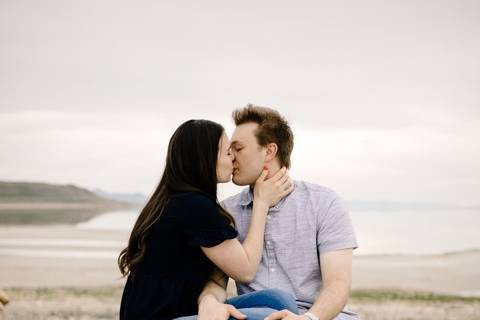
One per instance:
(225,160)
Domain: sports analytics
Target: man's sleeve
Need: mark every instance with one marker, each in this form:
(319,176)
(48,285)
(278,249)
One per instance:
(335,229)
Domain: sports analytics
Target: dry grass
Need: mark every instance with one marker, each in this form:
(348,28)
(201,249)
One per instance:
(103,303)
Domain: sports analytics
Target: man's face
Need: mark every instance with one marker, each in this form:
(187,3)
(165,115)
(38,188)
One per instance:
(249,155)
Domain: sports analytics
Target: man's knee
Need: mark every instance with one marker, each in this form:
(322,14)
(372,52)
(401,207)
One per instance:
(256,313)
(281,294)
(281,299)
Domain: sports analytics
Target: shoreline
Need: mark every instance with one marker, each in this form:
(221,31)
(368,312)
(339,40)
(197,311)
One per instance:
(385,286)
(65,255)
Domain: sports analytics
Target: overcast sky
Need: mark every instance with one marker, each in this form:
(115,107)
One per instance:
(383,96)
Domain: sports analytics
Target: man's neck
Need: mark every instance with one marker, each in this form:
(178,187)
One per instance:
(272,170)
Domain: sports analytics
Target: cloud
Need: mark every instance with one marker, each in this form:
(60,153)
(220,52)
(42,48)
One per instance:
(382,94)
(126,152)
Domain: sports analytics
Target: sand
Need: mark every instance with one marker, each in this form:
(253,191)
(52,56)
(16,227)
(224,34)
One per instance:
(27,278)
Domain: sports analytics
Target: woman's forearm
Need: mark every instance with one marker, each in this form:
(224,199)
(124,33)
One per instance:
(253,243)
(216,286)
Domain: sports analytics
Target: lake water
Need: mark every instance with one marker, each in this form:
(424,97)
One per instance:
(393,232)
(116,220)
(404,232)
(410,232)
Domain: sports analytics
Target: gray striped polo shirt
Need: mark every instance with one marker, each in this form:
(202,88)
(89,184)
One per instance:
(310,221)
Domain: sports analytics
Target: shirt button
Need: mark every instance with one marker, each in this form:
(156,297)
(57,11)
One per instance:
(272,269)
(268,242)
(268,217)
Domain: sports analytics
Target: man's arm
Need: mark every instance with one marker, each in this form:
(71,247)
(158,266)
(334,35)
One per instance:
(337,278)
(336,269)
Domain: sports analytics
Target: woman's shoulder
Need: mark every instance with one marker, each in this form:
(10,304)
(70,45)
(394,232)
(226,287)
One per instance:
(192,198)
(181,205)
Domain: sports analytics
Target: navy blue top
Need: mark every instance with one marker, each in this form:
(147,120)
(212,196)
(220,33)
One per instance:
(167,282)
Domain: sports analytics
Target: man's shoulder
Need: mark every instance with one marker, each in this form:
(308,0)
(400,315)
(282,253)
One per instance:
(314,191)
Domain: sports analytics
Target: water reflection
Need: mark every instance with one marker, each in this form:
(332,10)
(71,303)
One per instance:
(115,220)
(47,216)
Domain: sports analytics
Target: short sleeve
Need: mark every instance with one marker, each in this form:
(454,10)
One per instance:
(335,229)
(204,225)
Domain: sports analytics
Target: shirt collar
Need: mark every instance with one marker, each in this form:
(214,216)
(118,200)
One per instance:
(246,198)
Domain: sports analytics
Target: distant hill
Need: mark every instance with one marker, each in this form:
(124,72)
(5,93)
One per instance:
(387,206)
(133,198)
(32,192)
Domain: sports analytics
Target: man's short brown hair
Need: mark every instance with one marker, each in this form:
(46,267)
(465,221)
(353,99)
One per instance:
(272,127)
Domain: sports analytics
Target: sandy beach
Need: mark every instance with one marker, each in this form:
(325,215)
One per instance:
(65,272)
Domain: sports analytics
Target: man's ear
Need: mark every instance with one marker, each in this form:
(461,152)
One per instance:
(271,151)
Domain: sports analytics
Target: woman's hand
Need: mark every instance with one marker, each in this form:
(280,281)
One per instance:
(211,309)
(271,191)
(240,260)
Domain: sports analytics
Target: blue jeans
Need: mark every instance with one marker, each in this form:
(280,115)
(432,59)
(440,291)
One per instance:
(259,304)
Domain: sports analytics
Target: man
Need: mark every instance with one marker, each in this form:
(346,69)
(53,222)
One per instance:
(309,237)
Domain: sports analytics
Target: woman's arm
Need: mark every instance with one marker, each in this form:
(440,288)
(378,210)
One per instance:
(240,261)
(216,286)
(210,301)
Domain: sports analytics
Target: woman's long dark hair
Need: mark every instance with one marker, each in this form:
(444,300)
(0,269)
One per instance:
(190,166)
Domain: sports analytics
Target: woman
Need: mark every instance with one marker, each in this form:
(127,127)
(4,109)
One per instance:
(183,232)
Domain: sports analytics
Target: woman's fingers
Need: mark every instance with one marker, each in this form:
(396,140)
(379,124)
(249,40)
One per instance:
(288,190)
(277,176)
(283,179)
(262,176)
(289,183)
